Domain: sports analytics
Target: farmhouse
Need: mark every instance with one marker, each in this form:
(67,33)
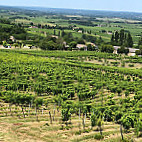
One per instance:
(55,36)
(65,45)
(12,38)
(33,27)
(26,47)
(93,44)
(80,31)
(29,47)
(132,51)
(116,49)
(75,28)
(81,46)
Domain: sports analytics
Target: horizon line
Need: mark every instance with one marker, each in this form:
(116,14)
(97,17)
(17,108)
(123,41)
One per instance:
(34,6)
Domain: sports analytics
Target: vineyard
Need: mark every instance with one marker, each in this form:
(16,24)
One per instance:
(70,96)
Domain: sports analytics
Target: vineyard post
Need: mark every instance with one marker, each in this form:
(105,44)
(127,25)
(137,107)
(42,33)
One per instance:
(121,132)
(50,117)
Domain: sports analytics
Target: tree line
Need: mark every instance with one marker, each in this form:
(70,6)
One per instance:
(122,38)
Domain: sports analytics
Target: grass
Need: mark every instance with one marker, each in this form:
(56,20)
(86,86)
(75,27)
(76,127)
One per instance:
(25,129)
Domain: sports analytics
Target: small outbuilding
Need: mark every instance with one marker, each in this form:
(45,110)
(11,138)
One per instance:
(132,51)
(116,49)
(81,46)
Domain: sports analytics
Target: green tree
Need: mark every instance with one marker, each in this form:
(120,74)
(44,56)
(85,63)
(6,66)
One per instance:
(122,35)
(54,32)
(107,48)
(16,45)
(112,39)
(63,33)
(129,40)
(4,43)
(73,44)
(140,41)
(48,45)
(123,50)
(59,33)
(116,36)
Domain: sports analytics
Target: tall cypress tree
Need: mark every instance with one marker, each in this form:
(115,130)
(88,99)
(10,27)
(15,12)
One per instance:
(140,41)
(63,33)
(116,36)
(112,39)
(129,40)
(54,32)
(59,34)
(122,36)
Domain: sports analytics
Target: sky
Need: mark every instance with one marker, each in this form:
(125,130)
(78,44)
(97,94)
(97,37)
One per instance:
(112,5)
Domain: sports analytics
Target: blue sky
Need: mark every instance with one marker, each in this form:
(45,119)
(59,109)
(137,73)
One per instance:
(114,5)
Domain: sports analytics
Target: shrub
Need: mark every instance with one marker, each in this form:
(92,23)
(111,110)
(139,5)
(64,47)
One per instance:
(107,48)
(78,133)
(131,65)
(98,137)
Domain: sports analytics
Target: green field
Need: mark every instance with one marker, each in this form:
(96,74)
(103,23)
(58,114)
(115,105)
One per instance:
(135,29)
(107,24)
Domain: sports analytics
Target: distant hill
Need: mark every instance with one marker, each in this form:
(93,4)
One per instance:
(91,13)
